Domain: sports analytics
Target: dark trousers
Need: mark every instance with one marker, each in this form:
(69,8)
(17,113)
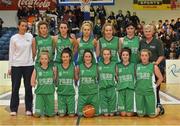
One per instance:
(16,74)
(161,67)
(157,93)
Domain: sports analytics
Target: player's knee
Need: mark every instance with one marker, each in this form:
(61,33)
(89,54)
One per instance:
(140,115)
(129,114)
(123,114)
(71,115)
(61,115)
(152,116)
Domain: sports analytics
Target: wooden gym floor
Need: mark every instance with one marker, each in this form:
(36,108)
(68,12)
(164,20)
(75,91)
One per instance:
(170,97)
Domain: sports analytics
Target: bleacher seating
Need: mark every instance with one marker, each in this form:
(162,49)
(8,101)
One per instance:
(4,41)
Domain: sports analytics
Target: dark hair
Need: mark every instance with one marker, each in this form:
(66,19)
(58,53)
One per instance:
(130,24)
(22,20)
(68,51)
(88,51)
(66,23)
(125,49)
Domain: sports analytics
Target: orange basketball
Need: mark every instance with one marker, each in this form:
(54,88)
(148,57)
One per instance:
(89,111)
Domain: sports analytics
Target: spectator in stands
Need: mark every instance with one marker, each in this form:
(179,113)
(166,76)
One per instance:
(21,65)
(52,26)
(101,12)
(112,16)
(20,13)
(127,18)
(78,14)
(160,25)
(119,17)
(139,30)
(165,25)
(92,14)
(172,52)
(156,47)
(120,20)
(168,37)
(172,24)
(54,12)
(97,29)
(35,26)
(48,11)
(135,19)
(177,27)
(1,26)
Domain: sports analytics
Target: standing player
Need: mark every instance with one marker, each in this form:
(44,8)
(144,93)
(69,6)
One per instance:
(107,92)
(86,73)
(131,41)
(87,41)
(109,41)
(66,84)
(44,75)
(64,40)
(43,42)
(146,86)
(126,83)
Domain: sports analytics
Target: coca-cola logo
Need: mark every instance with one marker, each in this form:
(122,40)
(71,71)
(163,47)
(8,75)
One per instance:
(37,3)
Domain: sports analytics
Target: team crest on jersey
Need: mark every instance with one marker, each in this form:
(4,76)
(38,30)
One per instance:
(27,40)
(80,45)
(82,71)
(138,68)
(60,73)
(104,45)
(40,42)
(40,73)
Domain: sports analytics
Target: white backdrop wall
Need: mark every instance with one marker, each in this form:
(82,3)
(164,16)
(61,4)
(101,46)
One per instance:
(10,18)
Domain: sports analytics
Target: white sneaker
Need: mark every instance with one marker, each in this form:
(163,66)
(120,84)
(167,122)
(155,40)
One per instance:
(13,113)
(28,113)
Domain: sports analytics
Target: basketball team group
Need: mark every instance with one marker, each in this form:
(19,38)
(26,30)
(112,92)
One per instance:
(116,76)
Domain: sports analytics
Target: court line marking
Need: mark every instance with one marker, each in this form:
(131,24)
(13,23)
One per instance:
(170,98)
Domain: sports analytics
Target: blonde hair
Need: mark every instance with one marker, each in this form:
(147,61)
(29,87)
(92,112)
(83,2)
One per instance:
(45,52)
(149,27)
(146,50)
(108,24)
(87,23)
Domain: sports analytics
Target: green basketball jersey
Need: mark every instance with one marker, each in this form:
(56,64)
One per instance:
(144,83)
(88,79)
(43,44)
(66,80)
(83,45)
(45,83)
(125,76)
(113,45)
(133,44)
(61,44)
(106,75)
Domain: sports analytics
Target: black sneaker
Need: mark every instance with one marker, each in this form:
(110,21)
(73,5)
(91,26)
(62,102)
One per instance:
(162,111)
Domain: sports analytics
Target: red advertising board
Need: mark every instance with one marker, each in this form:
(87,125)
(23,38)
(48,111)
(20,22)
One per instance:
(14,4)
